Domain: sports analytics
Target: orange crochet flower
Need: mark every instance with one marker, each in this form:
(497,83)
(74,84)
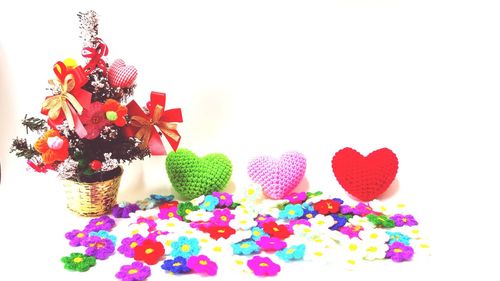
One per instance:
(52,146)
(115,112)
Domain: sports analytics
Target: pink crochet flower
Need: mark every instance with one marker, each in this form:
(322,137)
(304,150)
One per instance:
(263,266)
(168,213)
(221,217)
(271,244)
(94,119)
(202,264)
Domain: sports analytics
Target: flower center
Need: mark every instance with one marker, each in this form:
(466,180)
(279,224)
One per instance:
(263,264)
(77,259)
(221,231)
(291,212)
(133,245)
(275,229)
(177,264)
(245,245)
(250,191)
(203,262)
(132,271)
(185,248)
(99,245)
(149,251)
(398,250)
(371,249)
(170,215)
(405,220)
(80,235)
(223,197)
(217,249)
(256,233)
(188,211)
(99,223)
(290,251)
(223,218)
(373,235)
(55,143)
(353,247)
(111,115)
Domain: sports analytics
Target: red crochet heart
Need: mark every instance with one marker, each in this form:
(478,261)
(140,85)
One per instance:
(368,177)
(121,75)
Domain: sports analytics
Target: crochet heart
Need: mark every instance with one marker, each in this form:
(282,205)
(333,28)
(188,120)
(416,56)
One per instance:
(121,75)
(278,177)
(368,177)
(192,176)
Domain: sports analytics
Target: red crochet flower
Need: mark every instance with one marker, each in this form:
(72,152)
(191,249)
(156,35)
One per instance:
(149,252)
(167,205)
(279,231)
(115,112)
(326,207)
(217,232)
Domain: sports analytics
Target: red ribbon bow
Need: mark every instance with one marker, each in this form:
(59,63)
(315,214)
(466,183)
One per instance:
(142,125)
(69,99)
(95,55)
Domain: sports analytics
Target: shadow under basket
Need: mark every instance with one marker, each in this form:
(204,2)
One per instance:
(92,199)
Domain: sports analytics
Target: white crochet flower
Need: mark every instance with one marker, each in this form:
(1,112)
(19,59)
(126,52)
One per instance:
(421,247)
(199,216)
(249,195)
(321,223)
(302,230)
(376,235)
(172,225)
(149,214)
(387,208)
(167,241)
(361,221)
(221,252)
(412,231)
(243,211)
(375,250)
(198,200)
(244,222)
(139,228)
(239,236)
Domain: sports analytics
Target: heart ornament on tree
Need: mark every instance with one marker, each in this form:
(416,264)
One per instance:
(365,178)
(121,75)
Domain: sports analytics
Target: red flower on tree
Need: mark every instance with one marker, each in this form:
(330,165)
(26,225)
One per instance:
(326,207)
(217,232)
(279,231)
(115,112)
(149,252)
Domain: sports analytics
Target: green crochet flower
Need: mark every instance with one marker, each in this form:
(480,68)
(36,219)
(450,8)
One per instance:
(78,262)
(382,221)
(184,208)
(192,176)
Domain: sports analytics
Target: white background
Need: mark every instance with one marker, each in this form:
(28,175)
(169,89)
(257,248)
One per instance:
(264,77)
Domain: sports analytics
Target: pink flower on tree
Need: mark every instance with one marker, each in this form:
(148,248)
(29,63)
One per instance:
(94,119)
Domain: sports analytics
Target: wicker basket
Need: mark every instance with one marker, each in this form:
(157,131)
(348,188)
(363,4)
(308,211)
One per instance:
(92,199)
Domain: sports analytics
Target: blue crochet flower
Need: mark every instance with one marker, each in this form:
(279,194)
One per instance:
(291,211)
(398,237)
(308,213)
(210,203)
(292,253)
(257,233)
(176,266)
(185,247)
(307,206)
(160,199)
(104,234)
(246,247)
(339,222)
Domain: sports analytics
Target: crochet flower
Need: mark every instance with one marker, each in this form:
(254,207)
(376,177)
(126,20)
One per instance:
(308,213)
(221,217)
(217,250)
(257,233)
(185,247)
(271,244)
(200,215)
(216,232)
(411,231)
(397,237)
(225,199)
(327,206)
(262,219)
(128,245)
(375,251)
(151,222)
(292,253)
(277,230)
(400,220)
(101,223)
(263,266)
(104,234)
(169,213)
(421,246)
(351,231)
(52,146)
(245,248)
(154,234)
(361,221)
(376,235)
(202,264)
(94,119)
(321,223)
(184,208)
(380,221)
(251,194)
(136,271)
(149,252)
(171,225)
(123,210)
(177,265)
(160,200)
(78,262)
(362,209)
(399,252)
(209,203)
(100,248)
(242,222)
(76,237)
(296,198)
(139,228)
(115,112)
(302,230)
(291,211)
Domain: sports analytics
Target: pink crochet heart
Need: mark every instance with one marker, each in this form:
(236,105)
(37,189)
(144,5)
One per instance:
(121,75)
(278,177)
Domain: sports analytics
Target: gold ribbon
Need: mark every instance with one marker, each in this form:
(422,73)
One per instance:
(58,102)
(147,125)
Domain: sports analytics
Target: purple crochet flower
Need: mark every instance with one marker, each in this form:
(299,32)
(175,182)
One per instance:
(401,220)
(346,209)
(100,248)
(128,245)
(263,219)
(123,210)
(137,271)
(76,237)
(362,210)
(101,223)
(399,252)
(225,199)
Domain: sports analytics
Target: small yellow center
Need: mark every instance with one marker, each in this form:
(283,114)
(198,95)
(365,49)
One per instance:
(223,218)
(188,211)
(149,251)
(243,222)
(77,259)
(353,247)
(321,222)
(351,262)
(135,231)
(203,262)
(221,231)
(318,254)
(245,245)
(371,249)
(132,271)
(290,251)
(223,197)
(251,192)
(373,235)
(218,249)
(207,204)
(185,248)
(357,228)
(398,250)
(133,245)
(177,264)
(307,230)
(170,224)
(424,246)
(291,212)
(99,223)
(80,235)
(275,229)
(256,233)
(309,216)
(239,262)
(405,220)
(263,264)
(170,215)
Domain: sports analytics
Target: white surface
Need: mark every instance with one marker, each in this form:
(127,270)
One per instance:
(419,77)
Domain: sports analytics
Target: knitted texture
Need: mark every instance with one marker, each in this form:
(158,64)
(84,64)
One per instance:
(192,176)
(278,177)
(121,75)
(368,177)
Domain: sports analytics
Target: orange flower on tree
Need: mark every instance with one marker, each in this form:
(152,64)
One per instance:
(115,112)
(52,146)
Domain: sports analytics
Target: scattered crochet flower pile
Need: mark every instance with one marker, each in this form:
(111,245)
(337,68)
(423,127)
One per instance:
(258,235)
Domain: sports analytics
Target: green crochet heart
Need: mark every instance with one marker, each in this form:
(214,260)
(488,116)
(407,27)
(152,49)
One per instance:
(192,176)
